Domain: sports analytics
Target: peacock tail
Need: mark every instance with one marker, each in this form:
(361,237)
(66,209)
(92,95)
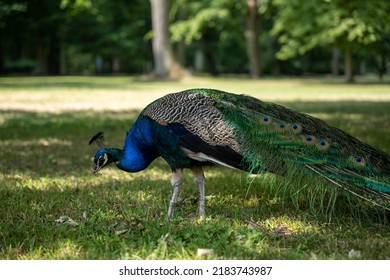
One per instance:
(243,132)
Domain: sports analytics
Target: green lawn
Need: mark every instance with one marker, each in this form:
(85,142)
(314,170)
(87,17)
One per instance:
(53,207)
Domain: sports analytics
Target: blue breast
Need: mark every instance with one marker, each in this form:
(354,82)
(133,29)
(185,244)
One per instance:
(148,140)
(139,149)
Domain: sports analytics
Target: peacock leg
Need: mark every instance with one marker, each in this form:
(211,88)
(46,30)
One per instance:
(176,181)
(200,181)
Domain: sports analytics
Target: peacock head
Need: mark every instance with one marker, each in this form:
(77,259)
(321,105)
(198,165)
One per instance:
(104,157)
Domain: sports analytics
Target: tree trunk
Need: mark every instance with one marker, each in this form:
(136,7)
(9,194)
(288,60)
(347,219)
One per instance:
(199,61)
(362,68)
(162,48)
(348,67)
(382,66)
(42,57)
(2,64)
(116,65)
(181,53)
(335,61)
(63,52)
(251,34)
(54,55)
(211,64)
(208,54)
(63,60)
(181,47)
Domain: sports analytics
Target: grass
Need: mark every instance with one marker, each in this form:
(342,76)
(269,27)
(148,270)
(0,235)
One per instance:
(53,207)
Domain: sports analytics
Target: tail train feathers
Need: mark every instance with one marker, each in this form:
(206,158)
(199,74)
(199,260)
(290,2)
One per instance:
(273,137)
(367,194)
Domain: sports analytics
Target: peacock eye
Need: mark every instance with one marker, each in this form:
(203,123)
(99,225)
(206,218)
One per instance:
(265,120)
(280,126)
(323,145)
(358,160)
(295,128)
(308,139)
(103,160)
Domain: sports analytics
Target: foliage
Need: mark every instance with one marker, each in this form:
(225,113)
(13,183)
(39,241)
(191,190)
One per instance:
(201,17)
(54,34)
(111,29)
(304,25)
(214,27)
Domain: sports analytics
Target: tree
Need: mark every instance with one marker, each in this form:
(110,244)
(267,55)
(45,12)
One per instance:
(31,27)
(162,48)
(113,33)
(349,25)
(335,61)
(218,29)
(8,10)
(64,36)
(202,27)
(252,38)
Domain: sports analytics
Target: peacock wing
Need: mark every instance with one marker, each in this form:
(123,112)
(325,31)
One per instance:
(197,127)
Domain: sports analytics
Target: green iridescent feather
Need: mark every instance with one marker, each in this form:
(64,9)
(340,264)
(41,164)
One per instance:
(273,138)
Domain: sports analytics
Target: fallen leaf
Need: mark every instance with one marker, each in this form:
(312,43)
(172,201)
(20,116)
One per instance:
(354,254)
(120,232)
(66,220)
(205,252)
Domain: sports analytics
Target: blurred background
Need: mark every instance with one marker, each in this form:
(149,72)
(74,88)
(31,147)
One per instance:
(71,68)
(176,38)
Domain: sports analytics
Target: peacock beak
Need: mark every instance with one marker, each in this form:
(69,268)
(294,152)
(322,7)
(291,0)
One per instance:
(97,169)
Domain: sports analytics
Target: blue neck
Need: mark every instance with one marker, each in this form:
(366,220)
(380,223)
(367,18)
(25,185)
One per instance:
(138,150)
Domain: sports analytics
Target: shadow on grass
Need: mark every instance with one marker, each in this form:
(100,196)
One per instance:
(139,82)
(359,81)
(80,82)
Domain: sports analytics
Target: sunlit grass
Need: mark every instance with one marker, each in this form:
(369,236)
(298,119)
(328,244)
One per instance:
(46,173)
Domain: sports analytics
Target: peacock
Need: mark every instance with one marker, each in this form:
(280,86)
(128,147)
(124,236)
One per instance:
(199,127)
